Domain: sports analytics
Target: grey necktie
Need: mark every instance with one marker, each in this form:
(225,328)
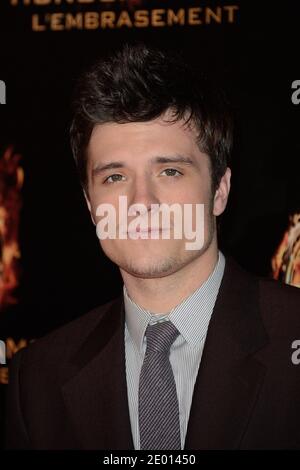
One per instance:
(158,403)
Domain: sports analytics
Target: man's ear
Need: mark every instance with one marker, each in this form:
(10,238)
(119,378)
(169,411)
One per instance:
(87,200)
(222,193)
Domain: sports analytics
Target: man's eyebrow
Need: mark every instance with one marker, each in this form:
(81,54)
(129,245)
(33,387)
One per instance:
(108,166)
(173,159)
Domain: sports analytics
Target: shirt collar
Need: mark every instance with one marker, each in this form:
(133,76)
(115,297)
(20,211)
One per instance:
(191,317)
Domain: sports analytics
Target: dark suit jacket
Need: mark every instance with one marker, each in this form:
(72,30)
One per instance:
(68,390)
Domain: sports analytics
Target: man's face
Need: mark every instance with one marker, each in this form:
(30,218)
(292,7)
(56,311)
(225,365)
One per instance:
(150,163)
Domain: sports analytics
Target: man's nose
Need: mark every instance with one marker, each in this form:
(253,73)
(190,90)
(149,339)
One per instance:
(143,192)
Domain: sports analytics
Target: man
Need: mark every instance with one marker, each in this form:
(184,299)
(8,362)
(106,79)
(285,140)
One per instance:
(196,354)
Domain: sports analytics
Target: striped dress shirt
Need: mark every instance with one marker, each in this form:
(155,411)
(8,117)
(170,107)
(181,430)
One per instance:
(191,317)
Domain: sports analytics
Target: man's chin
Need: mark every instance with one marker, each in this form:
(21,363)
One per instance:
(151,270)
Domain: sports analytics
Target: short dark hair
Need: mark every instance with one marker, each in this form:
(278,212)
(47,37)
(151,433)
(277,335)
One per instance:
(139,83)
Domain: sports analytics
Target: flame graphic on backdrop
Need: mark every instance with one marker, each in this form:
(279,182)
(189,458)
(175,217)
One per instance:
(286,261)
(11,182)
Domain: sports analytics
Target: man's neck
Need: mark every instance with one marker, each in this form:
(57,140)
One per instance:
(161,295)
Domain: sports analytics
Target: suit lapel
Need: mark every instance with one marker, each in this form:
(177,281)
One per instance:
(229,377)
(96,395)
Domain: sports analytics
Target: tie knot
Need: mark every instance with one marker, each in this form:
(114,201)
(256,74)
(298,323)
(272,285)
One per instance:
(161,336)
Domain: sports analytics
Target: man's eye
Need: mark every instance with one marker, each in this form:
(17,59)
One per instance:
(114,178)
(172,172)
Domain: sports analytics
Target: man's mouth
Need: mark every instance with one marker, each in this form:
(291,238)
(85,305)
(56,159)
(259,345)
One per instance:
(150,231)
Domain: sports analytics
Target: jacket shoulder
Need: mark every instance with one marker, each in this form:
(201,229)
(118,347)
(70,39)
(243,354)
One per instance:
(60,344)
(280,305)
